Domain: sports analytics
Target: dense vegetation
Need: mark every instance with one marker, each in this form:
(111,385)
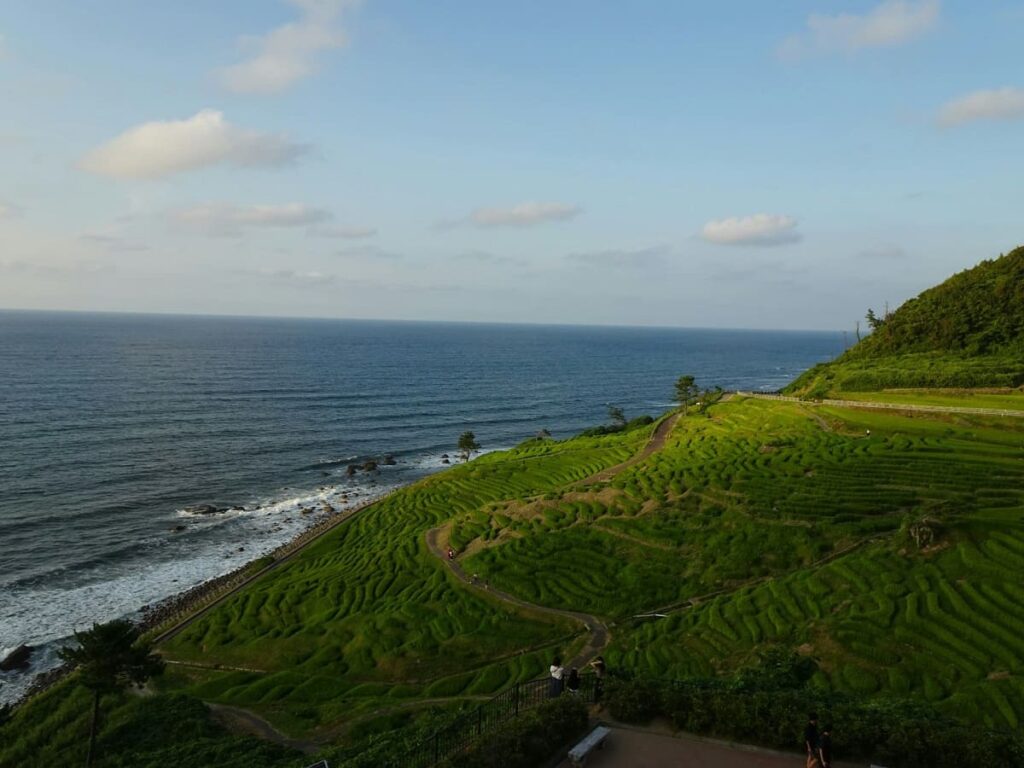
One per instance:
(965,332)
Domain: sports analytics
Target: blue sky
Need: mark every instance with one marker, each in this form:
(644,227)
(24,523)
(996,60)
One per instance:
(730,164)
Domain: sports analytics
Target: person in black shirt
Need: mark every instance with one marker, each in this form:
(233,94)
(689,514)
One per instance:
(811,741)
(825,746)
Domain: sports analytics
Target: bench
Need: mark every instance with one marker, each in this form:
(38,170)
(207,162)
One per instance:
(593,740)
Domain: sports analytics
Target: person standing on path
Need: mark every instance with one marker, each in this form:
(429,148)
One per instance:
(573,682)
(825,746)
(600,670)
(557,673)
(812,742)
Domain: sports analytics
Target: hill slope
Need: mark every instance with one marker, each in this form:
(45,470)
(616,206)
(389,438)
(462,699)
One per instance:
(966,332)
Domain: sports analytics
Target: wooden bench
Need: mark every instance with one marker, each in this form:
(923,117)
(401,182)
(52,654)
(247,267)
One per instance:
(593,740)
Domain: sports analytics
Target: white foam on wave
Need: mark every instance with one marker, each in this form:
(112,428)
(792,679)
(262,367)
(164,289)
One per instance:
(46,617)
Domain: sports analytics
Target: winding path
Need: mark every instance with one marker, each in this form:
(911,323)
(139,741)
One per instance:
(598,629)
(655,444)
(243,721)
(599,634)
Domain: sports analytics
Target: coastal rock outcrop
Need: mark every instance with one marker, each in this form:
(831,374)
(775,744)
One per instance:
(16,659)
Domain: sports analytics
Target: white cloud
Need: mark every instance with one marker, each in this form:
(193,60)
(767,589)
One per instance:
(287,53)
(996,104)
(344,233)
(761,229)
(226,220)
(888,24)
(520,215)
(619,257)
(162,148)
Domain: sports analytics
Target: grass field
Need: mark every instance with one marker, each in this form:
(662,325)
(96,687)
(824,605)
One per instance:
(767,489)
(367,617)
(789,521)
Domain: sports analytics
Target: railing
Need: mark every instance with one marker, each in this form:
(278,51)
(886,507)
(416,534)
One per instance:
(468,729)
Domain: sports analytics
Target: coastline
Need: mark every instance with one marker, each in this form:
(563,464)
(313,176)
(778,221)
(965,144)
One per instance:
(174,612)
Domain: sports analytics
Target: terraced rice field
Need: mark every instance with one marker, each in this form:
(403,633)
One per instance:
(758,495)
(790,521)
(367,614)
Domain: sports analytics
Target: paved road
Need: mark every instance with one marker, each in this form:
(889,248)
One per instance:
(632,748)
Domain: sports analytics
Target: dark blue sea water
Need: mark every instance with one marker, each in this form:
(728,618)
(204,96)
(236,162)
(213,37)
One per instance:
(112,425)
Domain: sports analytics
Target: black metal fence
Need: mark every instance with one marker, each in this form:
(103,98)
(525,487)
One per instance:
(469,728)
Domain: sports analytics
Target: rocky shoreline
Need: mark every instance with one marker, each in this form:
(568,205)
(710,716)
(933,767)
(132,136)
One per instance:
(179,606)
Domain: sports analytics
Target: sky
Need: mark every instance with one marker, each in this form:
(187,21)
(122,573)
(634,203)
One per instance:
(736,164)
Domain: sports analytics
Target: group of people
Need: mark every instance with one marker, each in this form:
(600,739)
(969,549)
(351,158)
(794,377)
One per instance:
(818,743)
(560,681)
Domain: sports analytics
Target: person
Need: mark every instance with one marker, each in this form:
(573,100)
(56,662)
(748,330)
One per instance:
(825,746)
(573,683)
(811,741)
(557,673)
(600,670)
(451,553)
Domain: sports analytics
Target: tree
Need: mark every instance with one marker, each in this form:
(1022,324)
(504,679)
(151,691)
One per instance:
(110,657)
(686,391)
(467,445)
(617,416)
(874,321)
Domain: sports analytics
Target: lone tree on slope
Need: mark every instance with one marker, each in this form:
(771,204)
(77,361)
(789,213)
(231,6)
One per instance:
(109,658)
(617,416)
(468,445)
(686,391)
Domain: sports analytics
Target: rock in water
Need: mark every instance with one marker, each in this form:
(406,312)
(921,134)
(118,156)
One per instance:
(16,659)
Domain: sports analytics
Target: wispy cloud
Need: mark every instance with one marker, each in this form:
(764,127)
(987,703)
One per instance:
(617,257)
(113,243)
(996,104)
(344,233)
(162,148)
(526,214)
(227,220)
(76,269)
(888,24)
(287,54)
(761,229)
(296,278)
(883,253)
(369,252)
(486,257)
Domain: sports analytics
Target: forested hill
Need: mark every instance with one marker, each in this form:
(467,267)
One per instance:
(966,332)
(979,311)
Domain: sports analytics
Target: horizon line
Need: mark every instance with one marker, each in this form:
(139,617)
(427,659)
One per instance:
(230,316)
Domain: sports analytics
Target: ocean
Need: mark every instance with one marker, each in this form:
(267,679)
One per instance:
(115,429)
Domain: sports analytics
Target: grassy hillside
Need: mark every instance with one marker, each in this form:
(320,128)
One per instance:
(788,525)
(966,332)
